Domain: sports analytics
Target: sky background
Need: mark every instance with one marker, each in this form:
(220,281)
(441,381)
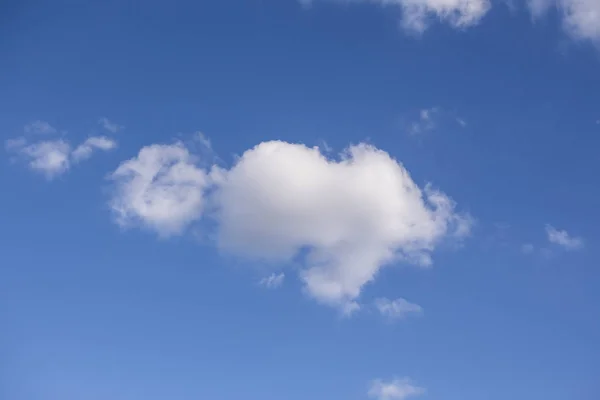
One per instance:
(502,115)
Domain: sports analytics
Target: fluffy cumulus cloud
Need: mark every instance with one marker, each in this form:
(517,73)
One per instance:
(563,239)
(396,389)
(397,309)
(346,219)
(342,220)
(161,188)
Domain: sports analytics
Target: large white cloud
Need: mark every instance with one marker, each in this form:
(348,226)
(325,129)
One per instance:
(348,218)
(161,188)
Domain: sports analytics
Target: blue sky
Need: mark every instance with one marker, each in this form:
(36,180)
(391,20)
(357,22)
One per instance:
(273,199)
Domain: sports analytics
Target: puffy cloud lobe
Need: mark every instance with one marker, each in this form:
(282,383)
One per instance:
(85,150)
(49,157)
(348,218)
(396,389)
(460,14)
(161,188)
(397,309)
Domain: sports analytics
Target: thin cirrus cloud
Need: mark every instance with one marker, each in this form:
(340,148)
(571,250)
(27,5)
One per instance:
(39,127)
(563,239)
(85,150)
(53,157)
(272,281)
(397,309)
(346,219)
(395,389)
(109,126)
(429,119)
(580,19)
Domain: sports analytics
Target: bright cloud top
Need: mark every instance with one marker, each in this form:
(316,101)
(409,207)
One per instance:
(54,157)
(563,239)
(396,389)
(345,219)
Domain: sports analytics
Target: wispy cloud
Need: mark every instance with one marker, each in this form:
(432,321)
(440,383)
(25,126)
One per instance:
(433,118)
(39,127)
(417,15)
(50,157)
(85,150)
(109,126)
(53,157)
(396,389)
(272,281)
(397,309)
(563,239)
(527,248)
(426,121)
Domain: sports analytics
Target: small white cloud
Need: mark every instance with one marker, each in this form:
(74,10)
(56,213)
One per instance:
(397,309)
(85,150)
(461,122)
(527,248)
(51,157)
(563,239)
(396,389)
(109,126)
(272,281)
(161,189)
(39,127)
